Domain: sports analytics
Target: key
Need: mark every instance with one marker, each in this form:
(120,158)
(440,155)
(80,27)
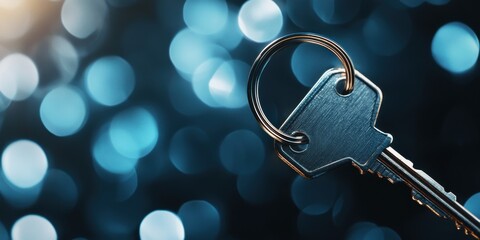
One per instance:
(341,129)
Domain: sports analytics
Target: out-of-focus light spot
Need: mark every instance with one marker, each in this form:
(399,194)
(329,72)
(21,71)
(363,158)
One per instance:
(309,62)
(33,227)
(313,226)
(110,80)
(187,150)
(121,3)
(314,196)
(375,233)
(257,188)
(360,230)
(134,132)
(368,230)
(63,111)
(65,56)
(82,18)
(11,4)
(342,209)
(183,99)
(24,163)
(127,186)
(228,84)
(260,20)
(301,13)
(59,192)
(335,11)
(230,36)
(18,76)
(109,218)
(108,158)
(201,220)
(166,11)
(205,17)
(389,234)
(455,47)
(57,61)
(92,45)
(3,232)
(473,204)
(19,198)
(337,208)
(412,3)
(118,187)
(221,84)
(201,81)
(387,30)
(4,103)
(438,2)
(161,225)
(188,50)
(242,152)
(15,19)
(151,169)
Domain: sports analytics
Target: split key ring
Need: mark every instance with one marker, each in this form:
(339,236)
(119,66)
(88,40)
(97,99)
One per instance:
(260,63)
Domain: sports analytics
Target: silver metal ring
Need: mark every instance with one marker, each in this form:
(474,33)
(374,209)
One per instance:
(262,60)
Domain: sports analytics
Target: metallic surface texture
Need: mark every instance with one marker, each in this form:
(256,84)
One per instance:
(340,128)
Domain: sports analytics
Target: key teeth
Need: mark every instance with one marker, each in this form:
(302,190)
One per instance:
(467,231)
(416,200)
(437,185)
(471,233)
(358,168)
(382,170)
(474,235)
(420,199)
(379,169)
(458,225)
(424,202)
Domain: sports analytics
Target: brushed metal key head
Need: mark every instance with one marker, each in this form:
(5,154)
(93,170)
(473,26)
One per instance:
(340,128)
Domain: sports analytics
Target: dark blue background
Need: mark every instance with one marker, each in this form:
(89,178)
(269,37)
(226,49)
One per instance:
(433,115)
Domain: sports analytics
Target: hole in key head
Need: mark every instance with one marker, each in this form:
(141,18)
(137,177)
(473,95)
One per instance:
(340,87)
(299,148)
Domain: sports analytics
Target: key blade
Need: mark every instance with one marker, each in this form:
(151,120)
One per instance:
(430,193)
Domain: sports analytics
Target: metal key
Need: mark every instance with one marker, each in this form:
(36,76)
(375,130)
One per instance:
(341,129)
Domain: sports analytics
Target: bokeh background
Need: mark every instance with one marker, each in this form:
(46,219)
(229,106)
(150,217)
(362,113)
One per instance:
(128,119)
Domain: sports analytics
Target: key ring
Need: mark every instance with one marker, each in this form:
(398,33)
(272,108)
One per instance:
(262,60)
